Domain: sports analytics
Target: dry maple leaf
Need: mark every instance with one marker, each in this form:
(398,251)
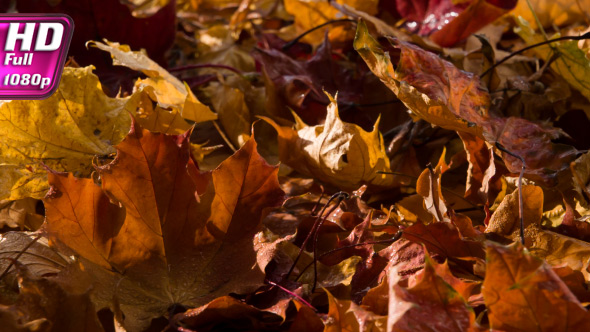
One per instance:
(162,87)
(64,132)
(429,302)
(346,316)
(506,218)
(176,235)
(339,153)
(230,314)
(522,293)
(48,306)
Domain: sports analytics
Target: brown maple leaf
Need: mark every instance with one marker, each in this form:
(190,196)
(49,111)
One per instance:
(174,234)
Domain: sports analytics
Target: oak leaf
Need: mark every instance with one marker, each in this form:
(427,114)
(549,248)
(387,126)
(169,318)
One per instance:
(64,132)
(175,235)
(339,153)
(523,293)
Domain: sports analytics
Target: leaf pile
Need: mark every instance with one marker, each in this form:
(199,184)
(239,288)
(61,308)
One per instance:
(302,165)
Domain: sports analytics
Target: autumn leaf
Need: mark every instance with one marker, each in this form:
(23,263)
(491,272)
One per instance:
(427,303)
(448,22)
(558,13)
(309,14)
(37,257)
(233,112)
(47,305)
(429,187)
(113,20)
(345,316)
(523,293)
(169,219)
(339,153)
(161,86)
(64,132)
(506,218)
(21,214)
(483,177)
(227,313)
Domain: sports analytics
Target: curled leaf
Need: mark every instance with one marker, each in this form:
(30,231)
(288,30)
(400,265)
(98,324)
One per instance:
(339,153)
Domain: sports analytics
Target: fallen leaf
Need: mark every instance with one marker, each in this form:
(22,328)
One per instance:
(233,112)
(558,13)
(448,22)
(483,177)
(522,293)
(506,220)
(427,303)
(162,87)
(64,132)
(46,305)
(429,187)
(20,214)
(37,257)
(227,313)
(178,235)
(339,153)
(346,316)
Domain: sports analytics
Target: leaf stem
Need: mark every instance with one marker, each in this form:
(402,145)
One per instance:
(205,65)
(338,196)
(13,261)
(296,40)
(292,294)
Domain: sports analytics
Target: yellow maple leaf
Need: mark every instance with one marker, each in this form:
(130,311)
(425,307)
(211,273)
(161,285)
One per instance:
(339,153)
(162,87)
(63,132)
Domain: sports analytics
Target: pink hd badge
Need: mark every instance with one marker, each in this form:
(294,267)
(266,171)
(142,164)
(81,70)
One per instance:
(33,49)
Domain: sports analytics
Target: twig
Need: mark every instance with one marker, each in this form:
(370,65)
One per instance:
(341,196)
(315,224)
(582,37)
(225,138)
(296,40)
